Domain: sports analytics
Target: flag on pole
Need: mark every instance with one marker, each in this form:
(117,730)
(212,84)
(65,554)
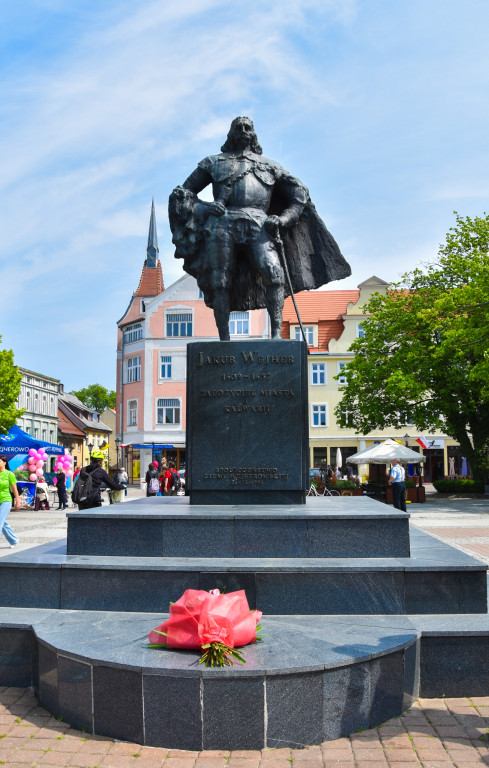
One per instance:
(422,441)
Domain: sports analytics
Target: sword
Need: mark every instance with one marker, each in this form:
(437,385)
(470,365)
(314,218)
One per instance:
(281,253)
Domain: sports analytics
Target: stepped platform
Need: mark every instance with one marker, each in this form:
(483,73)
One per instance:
(436,578)
(361,614)
(312,678)
(334,527)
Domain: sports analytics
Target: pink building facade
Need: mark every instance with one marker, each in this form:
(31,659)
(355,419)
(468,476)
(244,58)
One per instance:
(152,343)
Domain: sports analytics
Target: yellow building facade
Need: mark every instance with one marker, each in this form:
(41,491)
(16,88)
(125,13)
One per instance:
(332,320)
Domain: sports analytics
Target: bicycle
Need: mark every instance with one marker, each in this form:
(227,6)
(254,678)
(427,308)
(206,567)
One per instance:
(313,491)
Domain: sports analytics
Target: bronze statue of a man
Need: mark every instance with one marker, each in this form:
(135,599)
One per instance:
(260,239)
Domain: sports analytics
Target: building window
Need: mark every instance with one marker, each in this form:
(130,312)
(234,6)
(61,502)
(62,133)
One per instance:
(308,332)
(179,324)
(133,368)
(165,366)
(51,437)
(44,405)
(360,331)
(36,432)
(318,373)
(239,323)
(132,416)
(44,434)
(319,415)
(201,294)
(342,379)
(28,430)
(132,333)
(168,411)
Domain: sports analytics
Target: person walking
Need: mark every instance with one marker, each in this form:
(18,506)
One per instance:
(152,484)
(396,481)
(99,477)
(8,486)
(171,482)
(123,479)
(61,488)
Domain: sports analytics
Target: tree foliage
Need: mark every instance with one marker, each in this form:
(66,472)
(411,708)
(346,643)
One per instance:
(96,396)
(10,379)
(425,353)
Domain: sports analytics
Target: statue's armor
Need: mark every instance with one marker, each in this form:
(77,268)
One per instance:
(245,181)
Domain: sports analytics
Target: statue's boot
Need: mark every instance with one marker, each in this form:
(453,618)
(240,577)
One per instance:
(275,306)
(221,314)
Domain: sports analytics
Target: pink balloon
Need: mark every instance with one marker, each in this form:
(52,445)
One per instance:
(69,459)
(39,463)
(32,451)
(31,462)
(33,477)
(39,472)
(55,480)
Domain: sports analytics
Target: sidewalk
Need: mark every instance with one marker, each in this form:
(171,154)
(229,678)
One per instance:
(435,733)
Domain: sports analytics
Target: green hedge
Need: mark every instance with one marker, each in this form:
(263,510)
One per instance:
(456,485)
(344,485)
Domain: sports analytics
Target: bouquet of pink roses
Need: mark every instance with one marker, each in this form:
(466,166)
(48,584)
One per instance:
(210,621)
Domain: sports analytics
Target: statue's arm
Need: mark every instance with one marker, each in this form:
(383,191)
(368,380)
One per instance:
(296,196)
(198,180)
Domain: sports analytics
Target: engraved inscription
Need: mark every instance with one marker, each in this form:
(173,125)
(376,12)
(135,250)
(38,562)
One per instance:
(246,475)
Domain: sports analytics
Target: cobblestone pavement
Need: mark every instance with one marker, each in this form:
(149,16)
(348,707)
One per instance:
(435,733)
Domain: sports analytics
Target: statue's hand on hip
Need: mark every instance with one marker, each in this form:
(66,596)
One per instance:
(216,209)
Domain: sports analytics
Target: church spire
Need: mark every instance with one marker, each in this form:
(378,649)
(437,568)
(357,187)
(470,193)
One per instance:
(152,249)
(151,282)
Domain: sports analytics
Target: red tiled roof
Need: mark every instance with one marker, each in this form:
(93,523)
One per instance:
(319,305)
(323,308)
(151,282)
(66,427)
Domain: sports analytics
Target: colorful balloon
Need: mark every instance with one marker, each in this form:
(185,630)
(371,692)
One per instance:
(33,477)
(39,472)
(32,451)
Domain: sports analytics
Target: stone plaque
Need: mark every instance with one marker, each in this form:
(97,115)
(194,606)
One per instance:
(247,427)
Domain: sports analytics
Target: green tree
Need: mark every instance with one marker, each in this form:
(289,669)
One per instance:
(425,352)
(96,396)
(10,378)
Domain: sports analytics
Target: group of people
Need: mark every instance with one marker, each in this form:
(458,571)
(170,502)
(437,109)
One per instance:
(163,479)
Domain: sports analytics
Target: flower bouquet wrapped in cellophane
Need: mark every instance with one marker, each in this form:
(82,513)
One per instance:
(213,622)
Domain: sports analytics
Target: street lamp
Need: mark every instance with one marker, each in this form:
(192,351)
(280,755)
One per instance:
(90,449)
(117,444)
(406,440)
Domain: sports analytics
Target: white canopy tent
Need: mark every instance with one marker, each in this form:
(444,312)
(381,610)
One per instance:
(383,453)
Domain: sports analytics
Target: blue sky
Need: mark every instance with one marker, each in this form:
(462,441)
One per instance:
(380,107)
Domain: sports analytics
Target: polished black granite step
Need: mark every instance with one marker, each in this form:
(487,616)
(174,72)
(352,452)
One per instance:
(344,526)
(312,678)
(436,578)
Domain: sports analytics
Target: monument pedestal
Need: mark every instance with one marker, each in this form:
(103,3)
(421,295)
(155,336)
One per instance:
(247,422)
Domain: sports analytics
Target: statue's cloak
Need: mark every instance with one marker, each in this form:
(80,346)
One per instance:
(312,254)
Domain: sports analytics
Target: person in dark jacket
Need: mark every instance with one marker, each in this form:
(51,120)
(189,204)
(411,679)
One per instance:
(99,478)
(61,488)
(152,474)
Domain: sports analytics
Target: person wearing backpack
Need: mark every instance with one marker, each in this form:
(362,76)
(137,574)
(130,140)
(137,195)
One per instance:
(86,492)
(172,480)
(152,484)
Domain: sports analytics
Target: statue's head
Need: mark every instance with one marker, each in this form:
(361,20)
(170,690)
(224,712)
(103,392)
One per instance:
(242,136)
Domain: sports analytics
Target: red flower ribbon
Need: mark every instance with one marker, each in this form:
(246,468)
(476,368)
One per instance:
(200,617)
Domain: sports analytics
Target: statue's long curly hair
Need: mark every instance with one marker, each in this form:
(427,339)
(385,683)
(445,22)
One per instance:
(230,143)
